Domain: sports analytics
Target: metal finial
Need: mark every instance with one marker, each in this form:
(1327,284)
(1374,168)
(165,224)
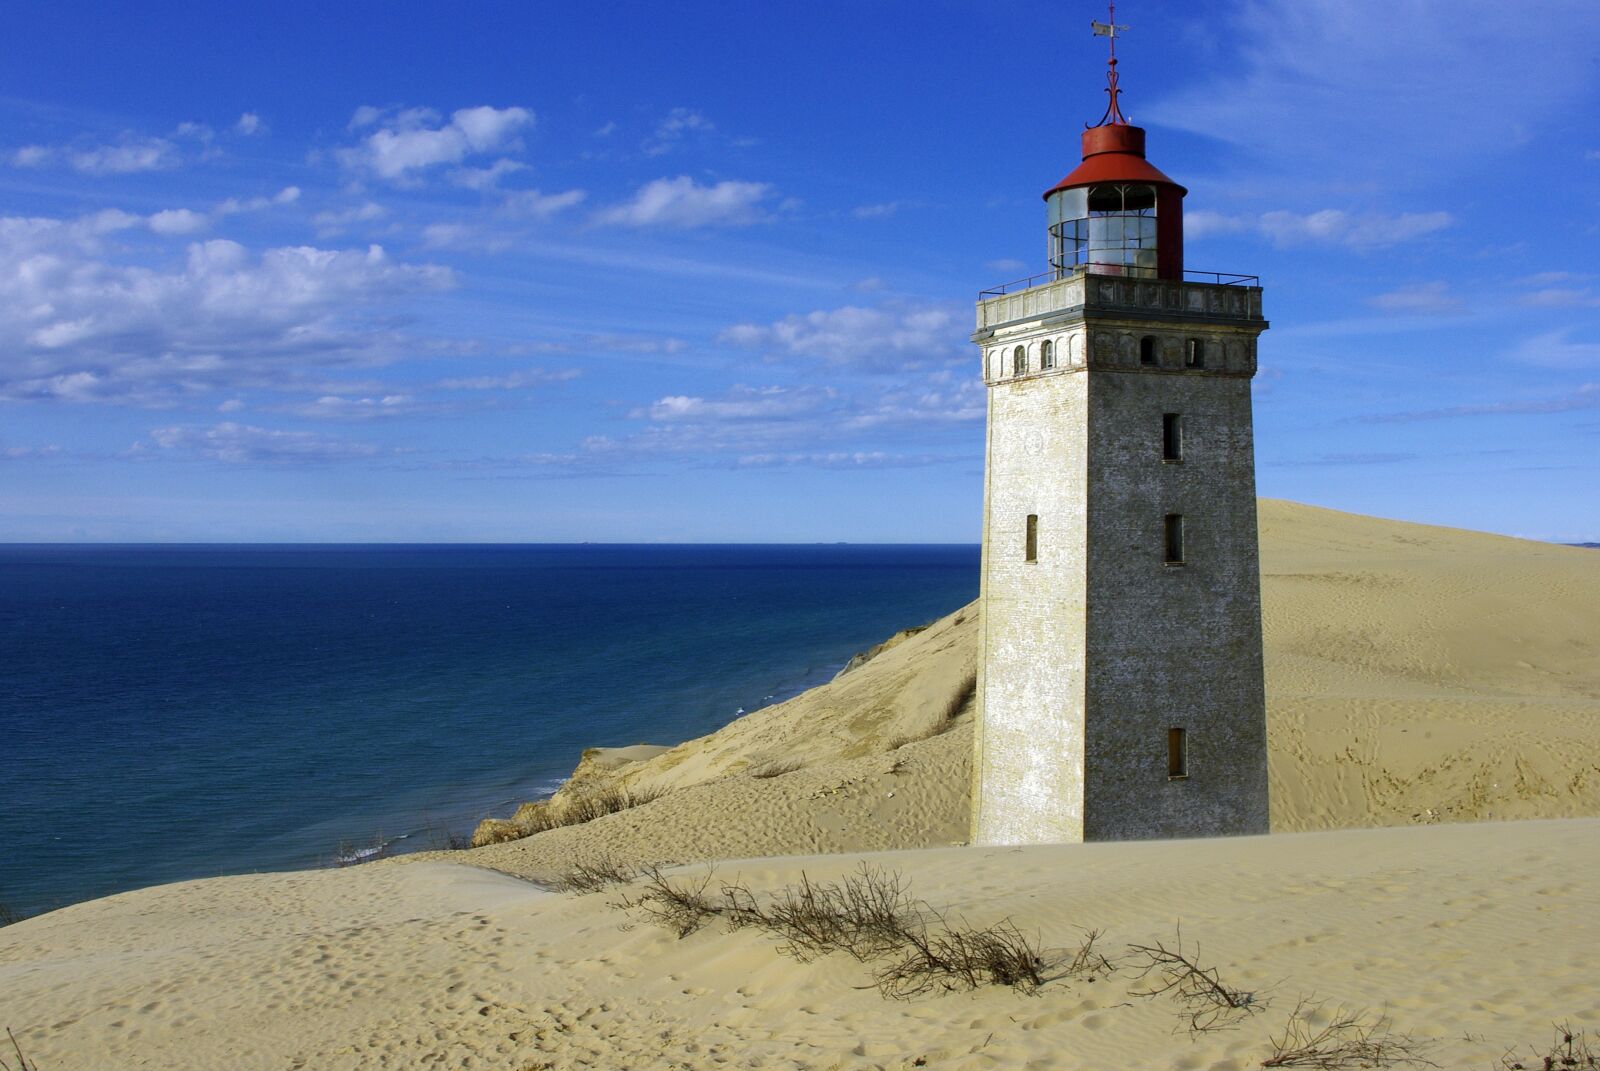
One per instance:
(1109,30)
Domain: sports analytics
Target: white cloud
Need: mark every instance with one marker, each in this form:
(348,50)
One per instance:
(740,403)
(334,407)
(529,377)
(538,205)
(1555,349)
(877,211)
(246,444)
(872,338)
(146,154)
(671,131)
(682,202)
(411,141)
(1332,226)
(32,156)
(286,196)
(249,123)
(28,453)
(335,222)
(76,324)
(1424,299)
(485,178)
(178,221)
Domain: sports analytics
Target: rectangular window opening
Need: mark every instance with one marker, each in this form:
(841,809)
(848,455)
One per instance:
(1177,754)
(1032,548)
(1174,538)
(1171,436)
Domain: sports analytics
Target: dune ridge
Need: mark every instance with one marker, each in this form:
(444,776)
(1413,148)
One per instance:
(1439,682)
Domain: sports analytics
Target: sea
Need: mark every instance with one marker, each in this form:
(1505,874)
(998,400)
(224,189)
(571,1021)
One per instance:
(170,712)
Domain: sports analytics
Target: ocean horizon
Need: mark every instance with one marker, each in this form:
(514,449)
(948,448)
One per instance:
(176,711)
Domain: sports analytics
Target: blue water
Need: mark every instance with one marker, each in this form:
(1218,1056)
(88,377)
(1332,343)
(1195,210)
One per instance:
(171,712)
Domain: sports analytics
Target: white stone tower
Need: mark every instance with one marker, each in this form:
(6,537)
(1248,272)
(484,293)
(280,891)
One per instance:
(1121,681)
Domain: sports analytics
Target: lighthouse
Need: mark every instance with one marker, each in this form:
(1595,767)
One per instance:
(1120,676)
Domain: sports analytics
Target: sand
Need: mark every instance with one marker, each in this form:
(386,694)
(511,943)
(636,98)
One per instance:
(1428,679)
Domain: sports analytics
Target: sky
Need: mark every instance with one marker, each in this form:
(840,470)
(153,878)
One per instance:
(705,272)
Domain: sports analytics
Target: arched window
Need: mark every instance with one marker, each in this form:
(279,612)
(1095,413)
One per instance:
(1147,350)
(1194,353)
(1047,355)
(1019,361)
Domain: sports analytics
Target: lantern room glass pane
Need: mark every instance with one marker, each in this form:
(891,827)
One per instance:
(1111,229)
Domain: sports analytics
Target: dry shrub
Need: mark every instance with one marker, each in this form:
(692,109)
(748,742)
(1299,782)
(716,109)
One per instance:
(867,915)
(596,874)
(1207,1003)
(776,768)
(682,908)
(870,916)
(1344,1039)
(950,959)
(1570,1049)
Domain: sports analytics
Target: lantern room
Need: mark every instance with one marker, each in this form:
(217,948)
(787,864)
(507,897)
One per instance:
(1115,214)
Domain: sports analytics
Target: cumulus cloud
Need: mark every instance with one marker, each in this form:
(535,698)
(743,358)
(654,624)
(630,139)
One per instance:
(682,202)
(1329,226)
(485,178)
(336,221)
(410,141)
(249,124)
(78,325)
(147,154)
(872,338)
(671,131)
(246,444)
(233,205)
(178,221)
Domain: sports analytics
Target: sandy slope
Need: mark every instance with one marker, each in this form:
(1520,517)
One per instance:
(1415,676)
(1483,932)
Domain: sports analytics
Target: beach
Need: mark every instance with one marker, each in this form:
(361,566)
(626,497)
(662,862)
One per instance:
(1434,749)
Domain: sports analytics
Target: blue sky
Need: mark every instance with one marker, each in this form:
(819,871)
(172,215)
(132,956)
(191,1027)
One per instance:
(705,272)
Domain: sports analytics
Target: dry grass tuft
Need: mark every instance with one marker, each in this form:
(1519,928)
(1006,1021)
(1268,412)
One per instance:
(1343,1039)
(776,768)
(1207,1003)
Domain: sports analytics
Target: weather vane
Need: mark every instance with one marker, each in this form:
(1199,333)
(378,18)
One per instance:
(1109,30)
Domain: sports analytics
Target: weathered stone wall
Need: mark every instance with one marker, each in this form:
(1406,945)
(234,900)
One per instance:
(1173,645)
(1029,761)
(1093,651)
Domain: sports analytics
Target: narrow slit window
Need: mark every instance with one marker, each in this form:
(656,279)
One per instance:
(1174,533)
(1031,545)
(1171,437)
(1177,754)
(1147,350)
(1194,353)
(1047,356)
(1019,361)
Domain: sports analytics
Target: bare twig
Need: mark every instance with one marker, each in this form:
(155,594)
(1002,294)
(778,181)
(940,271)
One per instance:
(681,908)
(23,1063)
(592,875)
(1570,1051)
(1207,1003)
(1344,1039)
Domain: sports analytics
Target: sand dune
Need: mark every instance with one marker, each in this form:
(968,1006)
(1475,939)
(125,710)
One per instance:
(1417,676)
